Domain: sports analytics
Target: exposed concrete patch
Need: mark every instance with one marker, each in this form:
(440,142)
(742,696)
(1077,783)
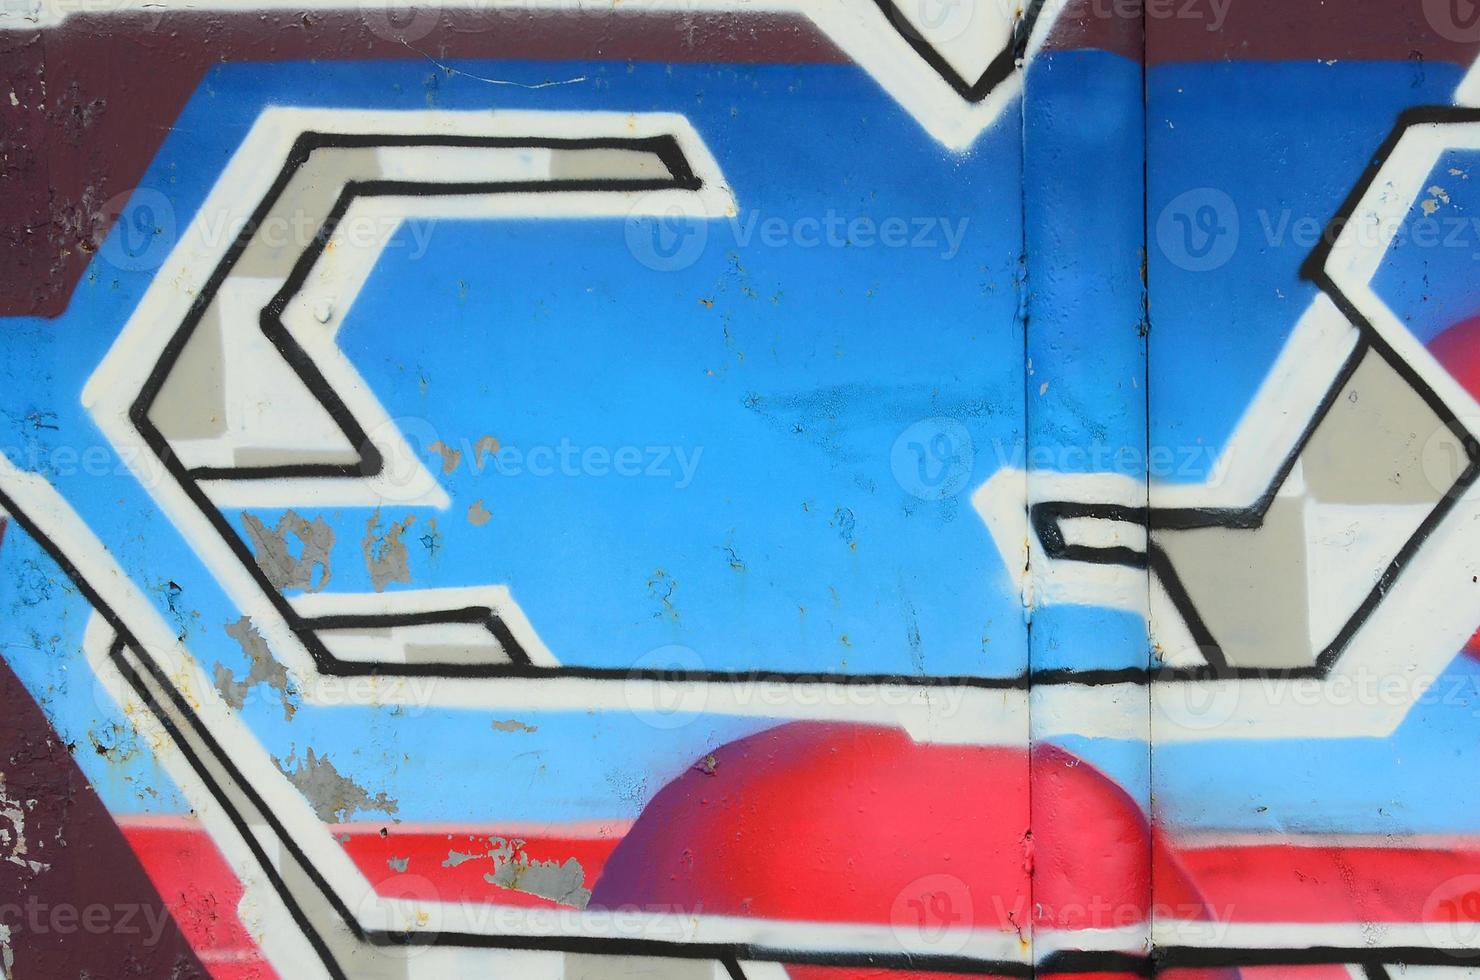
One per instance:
(487,445)
(385,554)
(513,725)
(333,796)
(264,670)
(451,456)
(515,870)
(276,559)
(455,858)
(563,883)
(13,846)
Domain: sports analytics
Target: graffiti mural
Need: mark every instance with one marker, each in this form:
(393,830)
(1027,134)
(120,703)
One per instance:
(777,490)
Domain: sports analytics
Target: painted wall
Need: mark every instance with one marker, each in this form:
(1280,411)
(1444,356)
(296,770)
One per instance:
(740,490)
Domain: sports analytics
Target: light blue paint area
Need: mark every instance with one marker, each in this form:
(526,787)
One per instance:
(709,456)
(1285,142)
(455,766)
(1428,276)
(1420,780)
(720,477)
(42,619)
(1070,637)
(1086,385)
(1124,762)
(1084,192)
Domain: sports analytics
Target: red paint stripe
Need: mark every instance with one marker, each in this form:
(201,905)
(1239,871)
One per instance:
(201,892)
(455,864)
(1317,884)
(1322,972)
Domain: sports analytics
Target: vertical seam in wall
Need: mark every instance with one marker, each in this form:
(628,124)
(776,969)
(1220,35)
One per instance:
(1025,318)
(1146,466)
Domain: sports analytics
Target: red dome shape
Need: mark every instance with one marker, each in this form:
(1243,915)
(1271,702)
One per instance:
(831,822)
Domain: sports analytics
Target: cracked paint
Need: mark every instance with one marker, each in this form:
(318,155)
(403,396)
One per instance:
(274,553)
(335,798)
(265,670)
(385,553)
(13,847)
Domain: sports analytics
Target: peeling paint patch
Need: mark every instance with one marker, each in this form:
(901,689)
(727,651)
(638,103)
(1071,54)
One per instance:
(455,858)
(844,522)
(398,864)
(451,456)
(13,847)
(514,870)
(486,445)
(514,726)
(563,883)
(265,669)
(113,743)
(385,553)
(275,556)
(478,515)
(334,797)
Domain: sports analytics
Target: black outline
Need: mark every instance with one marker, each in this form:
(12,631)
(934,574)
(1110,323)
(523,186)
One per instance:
(681,177)
(997,71)
(521,666)
(1045,517)
(483,616)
